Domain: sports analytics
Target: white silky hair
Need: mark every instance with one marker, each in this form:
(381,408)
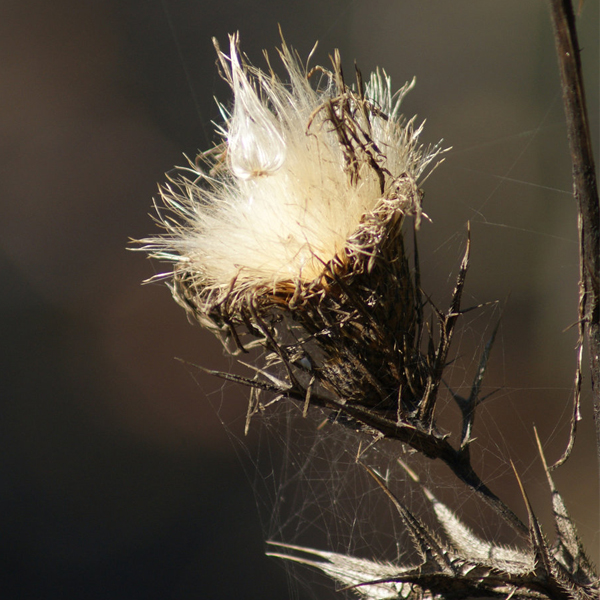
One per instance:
(350,571)
(281,205)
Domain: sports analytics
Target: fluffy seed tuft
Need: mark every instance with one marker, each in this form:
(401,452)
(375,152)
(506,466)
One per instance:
(304,175)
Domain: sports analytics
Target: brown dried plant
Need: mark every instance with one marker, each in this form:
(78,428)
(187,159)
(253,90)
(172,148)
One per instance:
(327,179)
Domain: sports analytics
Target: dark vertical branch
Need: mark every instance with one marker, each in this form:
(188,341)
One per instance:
(584,187)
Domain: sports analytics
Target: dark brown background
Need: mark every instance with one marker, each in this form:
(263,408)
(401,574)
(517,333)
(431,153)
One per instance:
(117,479)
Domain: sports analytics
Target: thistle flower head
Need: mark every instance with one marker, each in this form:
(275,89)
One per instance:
(302,170)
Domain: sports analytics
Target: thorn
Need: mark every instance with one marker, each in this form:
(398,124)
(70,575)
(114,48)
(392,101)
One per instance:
(309,390)
(426,544)
(253,383)
(543,457)
(535,533)
(409,471)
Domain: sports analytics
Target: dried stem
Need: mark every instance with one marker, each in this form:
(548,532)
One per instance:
(584,188)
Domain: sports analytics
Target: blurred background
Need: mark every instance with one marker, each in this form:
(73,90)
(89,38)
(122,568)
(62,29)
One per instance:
(117,476)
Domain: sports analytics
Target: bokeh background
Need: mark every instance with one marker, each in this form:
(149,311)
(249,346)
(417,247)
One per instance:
(117,476)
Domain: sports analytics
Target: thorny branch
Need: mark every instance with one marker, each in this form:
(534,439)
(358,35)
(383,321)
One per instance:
(585,191)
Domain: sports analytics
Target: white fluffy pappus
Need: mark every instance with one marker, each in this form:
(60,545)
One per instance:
(284,192)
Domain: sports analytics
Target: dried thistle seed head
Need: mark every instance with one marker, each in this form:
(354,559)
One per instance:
(291,231)
(306,181)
